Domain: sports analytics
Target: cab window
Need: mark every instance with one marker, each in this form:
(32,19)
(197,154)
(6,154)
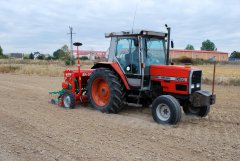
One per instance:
(154,51)
(127,54)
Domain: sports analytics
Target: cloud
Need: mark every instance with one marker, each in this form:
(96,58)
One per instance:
(28,26)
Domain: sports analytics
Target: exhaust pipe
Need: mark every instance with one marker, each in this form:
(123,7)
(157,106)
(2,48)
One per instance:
(168,43)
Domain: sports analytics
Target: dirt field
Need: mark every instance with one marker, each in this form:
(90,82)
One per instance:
(32,129)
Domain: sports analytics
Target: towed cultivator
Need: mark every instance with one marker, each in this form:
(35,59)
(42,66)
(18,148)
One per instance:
(137,72)
(74,88)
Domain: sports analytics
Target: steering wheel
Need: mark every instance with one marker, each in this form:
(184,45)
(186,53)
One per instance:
(155,61)
(152,59)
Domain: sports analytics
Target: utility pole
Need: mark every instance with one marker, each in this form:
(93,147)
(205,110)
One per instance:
(71,43)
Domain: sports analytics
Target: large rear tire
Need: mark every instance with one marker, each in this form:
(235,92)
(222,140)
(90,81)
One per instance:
(166,110)
(105,91)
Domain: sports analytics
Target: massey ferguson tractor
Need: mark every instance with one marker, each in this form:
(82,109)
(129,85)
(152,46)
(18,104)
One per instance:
(138,72)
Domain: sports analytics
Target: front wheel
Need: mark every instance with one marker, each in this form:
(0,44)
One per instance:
(204,111)
(166,110)
(196,111)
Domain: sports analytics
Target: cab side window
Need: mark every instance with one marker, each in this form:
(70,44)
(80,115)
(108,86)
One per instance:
(155,52)
(127,55)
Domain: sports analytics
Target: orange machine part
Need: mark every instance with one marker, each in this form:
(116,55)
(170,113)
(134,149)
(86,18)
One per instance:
(100,92)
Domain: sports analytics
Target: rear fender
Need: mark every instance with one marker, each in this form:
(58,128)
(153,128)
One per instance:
(113,66)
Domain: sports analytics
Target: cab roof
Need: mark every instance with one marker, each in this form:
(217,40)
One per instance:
(136,33)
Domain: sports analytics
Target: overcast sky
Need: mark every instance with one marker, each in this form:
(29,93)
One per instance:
(27,25)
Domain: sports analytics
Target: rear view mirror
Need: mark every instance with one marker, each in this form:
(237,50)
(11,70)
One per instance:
(172,44)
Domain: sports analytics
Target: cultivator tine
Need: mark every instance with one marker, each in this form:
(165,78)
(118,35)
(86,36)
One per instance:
(52,98)
(55,97)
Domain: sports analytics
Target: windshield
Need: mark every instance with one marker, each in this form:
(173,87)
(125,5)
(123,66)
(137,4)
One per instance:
(154,52)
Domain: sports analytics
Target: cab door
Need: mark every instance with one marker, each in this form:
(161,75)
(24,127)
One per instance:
(153,54)
(127,55)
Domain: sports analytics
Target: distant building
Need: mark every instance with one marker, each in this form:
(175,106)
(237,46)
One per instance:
(174,53)
(16,55)
(199,54)
(92,55)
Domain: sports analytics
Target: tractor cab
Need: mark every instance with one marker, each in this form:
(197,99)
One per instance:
(135,51)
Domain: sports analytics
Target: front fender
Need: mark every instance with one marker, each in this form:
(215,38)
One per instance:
(202,98)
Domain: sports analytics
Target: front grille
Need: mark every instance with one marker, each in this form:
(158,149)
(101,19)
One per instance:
(181,87)
(196,79)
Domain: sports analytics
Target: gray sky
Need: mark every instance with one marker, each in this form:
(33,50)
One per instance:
(28,25)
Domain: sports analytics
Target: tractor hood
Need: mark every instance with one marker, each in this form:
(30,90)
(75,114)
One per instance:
(176,79)
(169,72)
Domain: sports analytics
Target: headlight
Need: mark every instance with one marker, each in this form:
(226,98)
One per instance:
(198,85)
(192,86)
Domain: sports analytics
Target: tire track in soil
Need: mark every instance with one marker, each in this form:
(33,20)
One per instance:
(22,142)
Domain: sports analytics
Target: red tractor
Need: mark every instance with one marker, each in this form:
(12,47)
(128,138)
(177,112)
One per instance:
(138,72)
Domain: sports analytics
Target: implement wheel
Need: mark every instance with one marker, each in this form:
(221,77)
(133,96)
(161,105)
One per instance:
(105,91)
(166,110)
(68,100)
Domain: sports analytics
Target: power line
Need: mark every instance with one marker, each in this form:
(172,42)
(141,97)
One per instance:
(71,43)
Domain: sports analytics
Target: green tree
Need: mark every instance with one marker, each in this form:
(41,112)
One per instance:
(49,57)
(208,45)
(235,54)
(69,61)
(62,53)
(31,56)
(59,54)
(41,57)
(65,48)
(84,58)
(189,47)
(1,54)
(1,51)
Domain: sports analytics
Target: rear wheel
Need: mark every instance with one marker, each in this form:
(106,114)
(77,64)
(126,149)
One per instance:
(68,100)
(166,110)
(105,91)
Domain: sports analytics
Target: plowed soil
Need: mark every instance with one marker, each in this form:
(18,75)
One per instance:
(33,129)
